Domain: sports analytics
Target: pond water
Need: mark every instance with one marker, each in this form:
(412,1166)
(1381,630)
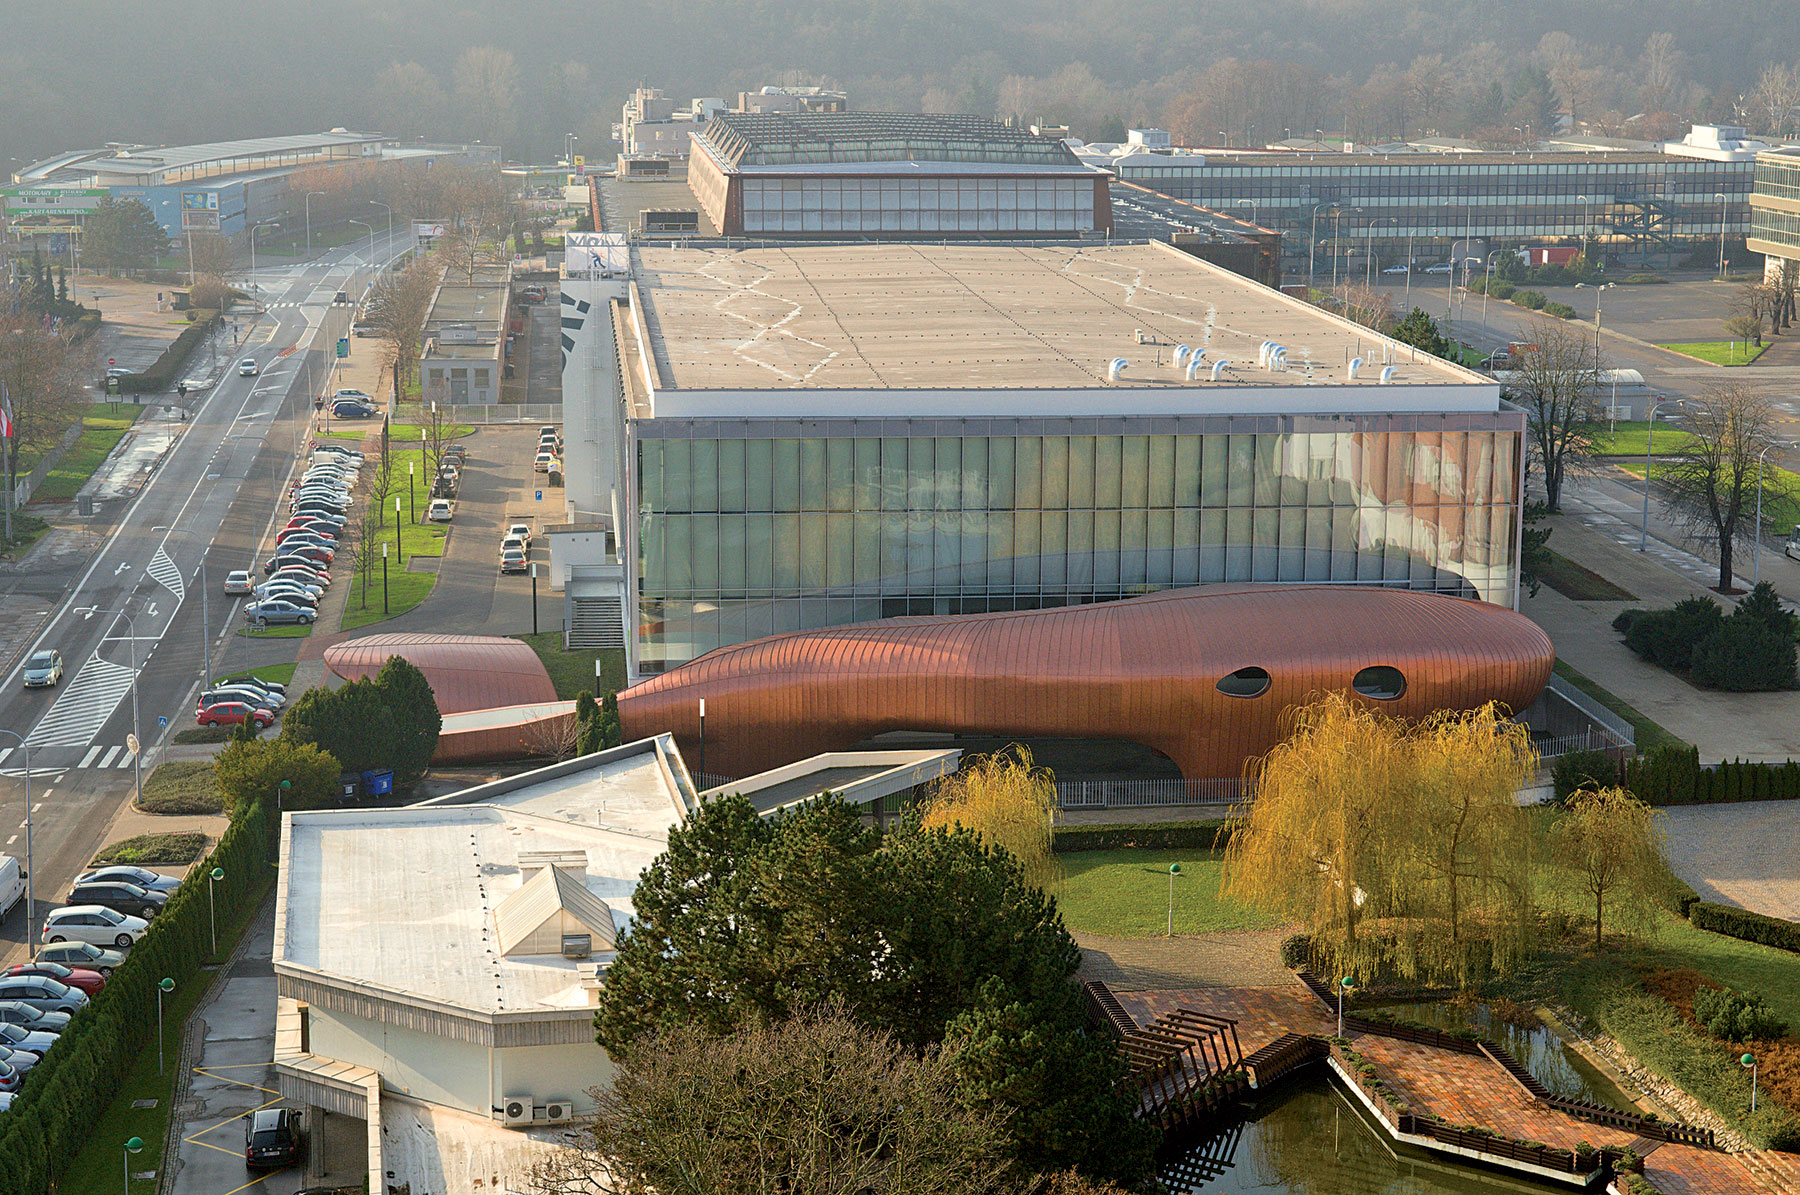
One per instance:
(1309,1139)
(1544,1054)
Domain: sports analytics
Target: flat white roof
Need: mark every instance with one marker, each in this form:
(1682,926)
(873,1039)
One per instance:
(403,899)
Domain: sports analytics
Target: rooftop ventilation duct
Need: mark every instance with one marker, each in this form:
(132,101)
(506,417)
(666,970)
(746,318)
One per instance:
(1278,359)
(1115,367)
(1196,362)
(1180,356)
(1262,353)
(1219,368)
(1356,363)
(1387,373)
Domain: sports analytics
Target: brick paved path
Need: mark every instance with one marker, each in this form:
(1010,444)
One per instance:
(1236,960)
(1462,1088)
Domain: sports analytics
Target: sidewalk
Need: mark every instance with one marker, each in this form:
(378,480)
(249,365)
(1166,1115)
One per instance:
(1594,531)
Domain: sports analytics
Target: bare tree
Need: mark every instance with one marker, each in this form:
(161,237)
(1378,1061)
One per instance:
(1557,381)
(43,372)
(1772,101)
(553,738)
(381,485)
(398,308)
(1752,308)
(1709,483)
(1365,305)
(435,422)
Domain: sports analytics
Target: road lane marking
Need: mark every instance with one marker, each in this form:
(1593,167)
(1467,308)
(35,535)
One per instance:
(4,752)
(83,706)
(106,760)
(88,759)
(127,760)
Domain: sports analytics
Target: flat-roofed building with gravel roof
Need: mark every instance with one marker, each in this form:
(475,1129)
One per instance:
(804,436)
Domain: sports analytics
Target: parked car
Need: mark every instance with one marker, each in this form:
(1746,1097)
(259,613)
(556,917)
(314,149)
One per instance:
(10,1078)
(247,368)
(330,524)
(272,1138)
(342,450)
(277,611)
(549,429)
(544,462)
(299,537)
(440,510)
(349,408)
(42,993)
(233,713)
(84,955)
(512,560)
(120,897)
(303,572)
(256,697)
(443,487)
(19,1060)
(288,591)
(522,530)
(238,581)
(43,669)
(364,330)
(309,581)
(143,877)
(253,682)
(362,395)
(89,982)
(23,1037)
(12,885)
(96,924)
(17,1012)
(513,541)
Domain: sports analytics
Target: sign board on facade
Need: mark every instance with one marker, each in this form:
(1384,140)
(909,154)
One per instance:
(596,252)
(55,201)
(200,211)
(426,231)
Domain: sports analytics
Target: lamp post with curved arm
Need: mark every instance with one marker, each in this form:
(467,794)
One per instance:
(389,243)
(1337,217)
(1312,241)
(137,756)
(1649,438)
(308,206)
(1720,196)
(1756,547)
(1251,202)
(1369,247)
(1487,277)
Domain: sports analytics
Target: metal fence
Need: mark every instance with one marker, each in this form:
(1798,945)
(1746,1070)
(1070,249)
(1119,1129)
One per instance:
(1147,794)
(1565,720)
(486,413)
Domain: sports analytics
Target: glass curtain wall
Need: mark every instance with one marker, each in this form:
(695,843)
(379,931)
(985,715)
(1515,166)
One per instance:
(742,534)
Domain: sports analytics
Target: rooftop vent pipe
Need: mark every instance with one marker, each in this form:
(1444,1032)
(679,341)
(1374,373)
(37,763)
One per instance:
(1387,373)
(1195,363)
(1115,367)
(1180,357)
(1278,359)
(1219,368)
(1356,363)
(1262,353)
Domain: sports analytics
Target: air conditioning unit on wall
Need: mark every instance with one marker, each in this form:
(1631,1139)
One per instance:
(557,1111)
(515,1110)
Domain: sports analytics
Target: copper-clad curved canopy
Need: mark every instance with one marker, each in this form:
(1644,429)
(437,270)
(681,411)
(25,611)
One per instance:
(466,672)
(1157,670)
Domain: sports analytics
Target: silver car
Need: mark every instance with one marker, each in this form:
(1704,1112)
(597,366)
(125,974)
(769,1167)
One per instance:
(26,1016)
(124,873)
(42,993)
(32,1041)
(43,669)
(276,611)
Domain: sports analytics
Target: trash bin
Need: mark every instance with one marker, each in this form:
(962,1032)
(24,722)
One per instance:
(350,788)
(378,782)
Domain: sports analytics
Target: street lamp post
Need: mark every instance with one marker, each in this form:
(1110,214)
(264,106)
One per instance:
(389,243)
(1649,439)
(1749,1061)
(1756,548)
(1312,240)
(1252,203)
(703,742)
(254,229)
(163,988)
(384,608)
(308,205)
(1344,985)
(1596,287)
(399,544)
(137,755)
(1337,217)
(213,877)
(30,906)
(371,228)
(1720,196)
(412,512)
(1586,209)
(134,1145)
(1487,278)
(1174,871)
(1369,247)
(534,601)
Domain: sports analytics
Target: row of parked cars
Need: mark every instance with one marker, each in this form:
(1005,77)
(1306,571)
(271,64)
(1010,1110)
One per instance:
(82,942)
(300,568)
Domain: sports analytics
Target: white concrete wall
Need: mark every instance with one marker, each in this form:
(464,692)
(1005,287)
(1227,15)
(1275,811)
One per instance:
(593,431)
(554,1072)
(414,1064)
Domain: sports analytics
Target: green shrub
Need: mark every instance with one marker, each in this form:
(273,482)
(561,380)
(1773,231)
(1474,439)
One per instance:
(1530,299)
(1559,310)
(1679,896)
(1583,769)
(1736,1016)
(1654,1033)
(181,787)
(153,850)
(1763,605)
(1502,289)
(246,771)
(1744,656)
(1643,280)
(162,374)
(1734,922)
(1296,951)
(1623,620)
(1165,836)
(1668,638)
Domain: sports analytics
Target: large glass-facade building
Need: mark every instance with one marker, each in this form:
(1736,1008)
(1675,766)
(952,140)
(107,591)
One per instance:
(754,527)
(1775,207)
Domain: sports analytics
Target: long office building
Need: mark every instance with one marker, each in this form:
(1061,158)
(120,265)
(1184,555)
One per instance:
(1633,201)
(1775,208)
(772,439)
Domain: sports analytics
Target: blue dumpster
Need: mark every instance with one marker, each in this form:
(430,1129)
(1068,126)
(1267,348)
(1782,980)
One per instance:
(378,783)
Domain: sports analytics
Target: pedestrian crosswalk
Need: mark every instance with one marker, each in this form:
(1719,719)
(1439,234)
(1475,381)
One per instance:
(164,572)
(102,756)
(84,705)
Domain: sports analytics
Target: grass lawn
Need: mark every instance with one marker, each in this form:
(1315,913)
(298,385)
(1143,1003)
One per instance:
(1579,583)
(275,674)
(181,786)
(1781,497)
(97,1167)
(1650,735)
(1719,352)
(202,734)
(1631,437)
(572,672)
(102,429)
(1126,894)
(27,530)
(404,591)
(154,850)
(291,631)
(409,432)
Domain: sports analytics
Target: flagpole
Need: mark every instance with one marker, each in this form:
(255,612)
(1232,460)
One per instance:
(6,468)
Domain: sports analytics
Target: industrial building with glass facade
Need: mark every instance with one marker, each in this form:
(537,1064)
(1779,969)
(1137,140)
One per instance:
(1775,208)
(812,437)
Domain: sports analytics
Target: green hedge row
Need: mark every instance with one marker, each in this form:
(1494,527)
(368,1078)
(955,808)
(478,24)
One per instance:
(1673,776)
(163,374)
(1164,836)
(1734,922)
(1655,1034)
(65,1094)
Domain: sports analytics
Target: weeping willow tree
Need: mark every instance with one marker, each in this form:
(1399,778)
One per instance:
(1009,802)
(1397,845)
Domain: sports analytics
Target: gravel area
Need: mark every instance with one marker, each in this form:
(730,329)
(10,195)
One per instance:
(1744,854)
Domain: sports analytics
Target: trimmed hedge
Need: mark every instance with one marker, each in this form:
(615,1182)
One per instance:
(1559,310)
(1673,776)
(1734,922)
(65,1094)
(162,375)
(1158,836)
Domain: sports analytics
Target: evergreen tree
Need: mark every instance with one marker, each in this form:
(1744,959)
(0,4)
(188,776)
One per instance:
(1421,331)
(122,234)
(414,710)
(352,723)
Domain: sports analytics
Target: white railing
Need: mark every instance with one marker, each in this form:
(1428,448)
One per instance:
(1142,794)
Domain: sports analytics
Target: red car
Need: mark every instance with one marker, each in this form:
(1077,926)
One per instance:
(306,533)
(232,713)
(88,981)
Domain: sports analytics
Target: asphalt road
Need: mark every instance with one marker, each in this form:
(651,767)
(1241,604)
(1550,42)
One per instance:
(211,500)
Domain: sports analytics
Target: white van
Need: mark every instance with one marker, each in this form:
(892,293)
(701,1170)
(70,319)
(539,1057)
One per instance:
(12,885)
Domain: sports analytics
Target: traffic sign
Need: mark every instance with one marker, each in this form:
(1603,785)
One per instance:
(162,720)
(112,360)
(131,743)
(343,346)
(540,495)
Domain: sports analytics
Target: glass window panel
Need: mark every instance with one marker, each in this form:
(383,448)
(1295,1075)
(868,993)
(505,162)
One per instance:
(1054,538)
(1269,490)
(731,475)
(680,576)
(1291,564)
(1081,576)
(650,466)
(1161,472)
(1001,494)
(1159,548)
(918,551)
(705,547)
(893,552)
(1028,472)
(1318,544)
(706,474)
(839,456)
(1451,466)
(1000,549)
(786,467)
(1081,472)
(652,554)
(948,474)
(1027,567)
(921,474)
(1109,459)
(1237,545)
(786,553)
(759,475)
(812,474)
(678,487)
(840,552)
(1134,471)
(975,473)
(1106,550)
(731,553)
(1056,472)
(893,473)
(1240,472)
(972,527)
(1372,533)
(867,479)
(1202,465)
(759,553)
(1265,538)
(1133,542)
